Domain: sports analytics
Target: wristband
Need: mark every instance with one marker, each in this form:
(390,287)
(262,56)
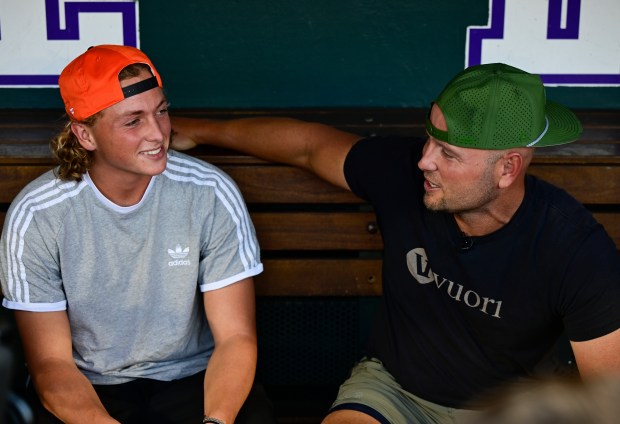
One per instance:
(211,420)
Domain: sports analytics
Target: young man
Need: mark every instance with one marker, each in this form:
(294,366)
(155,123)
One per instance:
(130,267)
(484,267)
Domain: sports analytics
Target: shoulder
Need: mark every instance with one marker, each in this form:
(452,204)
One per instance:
(41,209)
(374,161)
(560,206)
(568,230)
(46,191)
(387,145)
(184,164)
(186,169)
(187,177)
(384,154)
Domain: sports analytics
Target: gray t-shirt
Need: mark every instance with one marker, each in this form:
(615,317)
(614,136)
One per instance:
(130,278)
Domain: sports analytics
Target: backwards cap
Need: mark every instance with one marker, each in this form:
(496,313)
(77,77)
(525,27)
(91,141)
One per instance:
(496,106)
(90,82)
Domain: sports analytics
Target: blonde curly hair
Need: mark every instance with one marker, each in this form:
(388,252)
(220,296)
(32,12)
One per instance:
(73,159)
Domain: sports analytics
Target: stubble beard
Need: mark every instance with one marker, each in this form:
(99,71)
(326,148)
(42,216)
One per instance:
(472,199)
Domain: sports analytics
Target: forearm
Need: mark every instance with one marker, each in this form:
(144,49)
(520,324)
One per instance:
(274,139)
(67,394)
(229,377)
(316,147)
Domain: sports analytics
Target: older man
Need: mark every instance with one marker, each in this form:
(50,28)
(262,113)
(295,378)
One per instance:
(484,266)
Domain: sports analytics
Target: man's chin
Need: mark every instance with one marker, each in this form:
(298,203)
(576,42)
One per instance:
(157,170)
(434,205)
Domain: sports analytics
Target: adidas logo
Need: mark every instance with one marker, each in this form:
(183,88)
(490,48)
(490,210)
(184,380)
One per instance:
(179,255)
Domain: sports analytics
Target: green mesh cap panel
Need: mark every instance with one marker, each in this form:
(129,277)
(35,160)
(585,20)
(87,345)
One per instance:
(497,106)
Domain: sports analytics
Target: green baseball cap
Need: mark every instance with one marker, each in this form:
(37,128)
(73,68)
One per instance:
(496,106)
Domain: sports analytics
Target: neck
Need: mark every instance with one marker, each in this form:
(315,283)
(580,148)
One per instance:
(122,193)
(491,217)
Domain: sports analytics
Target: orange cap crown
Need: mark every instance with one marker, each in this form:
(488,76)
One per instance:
(90,82)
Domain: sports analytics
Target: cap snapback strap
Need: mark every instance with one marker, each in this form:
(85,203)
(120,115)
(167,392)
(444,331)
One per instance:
(140,87)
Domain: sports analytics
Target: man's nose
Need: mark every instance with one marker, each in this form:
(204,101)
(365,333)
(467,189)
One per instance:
(154,130)
(427,162)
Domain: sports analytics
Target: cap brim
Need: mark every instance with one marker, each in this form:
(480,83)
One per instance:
(564,126)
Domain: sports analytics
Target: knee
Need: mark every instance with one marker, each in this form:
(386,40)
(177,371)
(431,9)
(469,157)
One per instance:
(347,416)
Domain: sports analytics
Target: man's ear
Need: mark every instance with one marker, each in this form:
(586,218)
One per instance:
(84,135)
(512,165)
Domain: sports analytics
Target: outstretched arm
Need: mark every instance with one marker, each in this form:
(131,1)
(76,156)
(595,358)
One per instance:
(316,147)
(62,388)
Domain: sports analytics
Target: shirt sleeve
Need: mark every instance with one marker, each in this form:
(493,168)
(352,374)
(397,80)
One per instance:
(230,251)
(592,290)
(373,164)
(31,278)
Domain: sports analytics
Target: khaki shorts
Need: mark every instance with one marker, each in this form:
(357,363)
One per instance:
(373,390)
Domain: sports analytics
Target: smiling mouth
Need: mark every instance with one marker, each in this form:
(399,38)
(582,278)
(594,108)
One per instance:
(432,185)
(152,152)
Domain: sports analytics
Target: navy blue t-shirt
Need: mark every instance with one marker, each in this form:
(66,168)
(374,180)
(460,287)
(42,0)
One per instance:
(459,318)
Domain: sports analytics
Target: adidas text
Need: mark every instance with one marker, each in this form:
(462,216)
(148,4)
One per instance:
(180,262)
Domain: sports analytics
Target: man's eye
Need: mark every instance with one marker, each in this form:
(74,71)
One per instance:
(132,123)
(446,154)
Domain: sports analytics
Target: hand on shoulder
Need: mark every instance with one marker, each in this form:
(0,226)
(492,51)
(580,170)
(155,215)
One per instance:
(183,136)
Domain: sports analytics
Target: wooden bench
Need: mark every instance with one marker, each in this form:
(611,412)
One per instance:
(320,244)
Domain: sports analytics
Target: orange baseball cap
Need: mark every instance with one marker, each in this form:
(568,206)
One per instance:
(90,82)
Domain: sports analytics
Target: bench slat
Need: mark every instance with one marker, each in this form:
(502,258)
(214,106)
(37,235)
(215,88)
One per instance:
(15,177)
(278,184)
(590,184)
(281,184)
(611,222)
(317,231)
(320,277)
